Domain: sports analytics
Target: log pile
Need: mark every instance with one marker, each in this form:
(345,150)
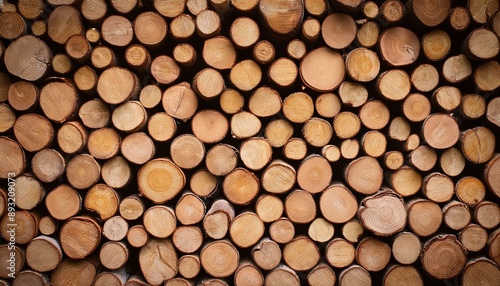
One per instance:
(247,142)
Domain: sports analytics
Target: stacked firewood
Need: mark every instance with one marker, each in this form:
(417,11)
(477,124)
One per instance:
(247,142)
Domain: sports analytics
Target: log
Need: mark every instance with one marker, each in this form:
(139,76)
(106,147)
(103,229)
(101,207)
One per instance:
(317,132)
(127,88)
(282,22)
(160,221)
(48,165)
(187,239)
(221,159)
(399,46)
(19,258)
(104,143)
(150,96)
(72,137)
(459,18)
(263,52)
(266,254)
(391,91)
(320,230)
(322,69)
(79,236)
(116,172)
(158,260)
(424,217)
(301,254)
(362,72)
(113,255)
(282,230)
(482,44)
(296,49)
(74,271)
(23,95)
(216,251)
(204,128)
(85,79)
(470,190)
(314,174)
(477,144)
(480,267)
(283,72)
(29,192)
(384,213)
(94,114)
(208,24)
(373,254)
(278,132)
(164,69)
(246,229)
(298,107)
(63,209)
(371,179)
(160,180)
(353,94)
(190,209)
(103,200)
(161,127)
(78,48)
(457,68)
(423,158)
(282,274)
(406,248)
(320,274)
(189,266)
(311,29)
(354,274)
(187,151)
(219,53)
(367,35)
(438,187)
(490,175)
(56,28)
(452,162)
(240,186)
(338,204)
(244,125)
(143,31)
(352,231)
(94,11)
(447,97)
(487,214)
(248,274)
(436,45)
(115,228)
(137,236)
(300,207)
(244,32)
(443,257)
(493,242)
(392,11)
(403,274)
(138,58)
(456,215)
(349,148)
(339,253)
(47,225)
(30,277)
(218,218)
(252,146)
(203,183)
(338,30)
(295,149)
(116,277)
(473,106)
